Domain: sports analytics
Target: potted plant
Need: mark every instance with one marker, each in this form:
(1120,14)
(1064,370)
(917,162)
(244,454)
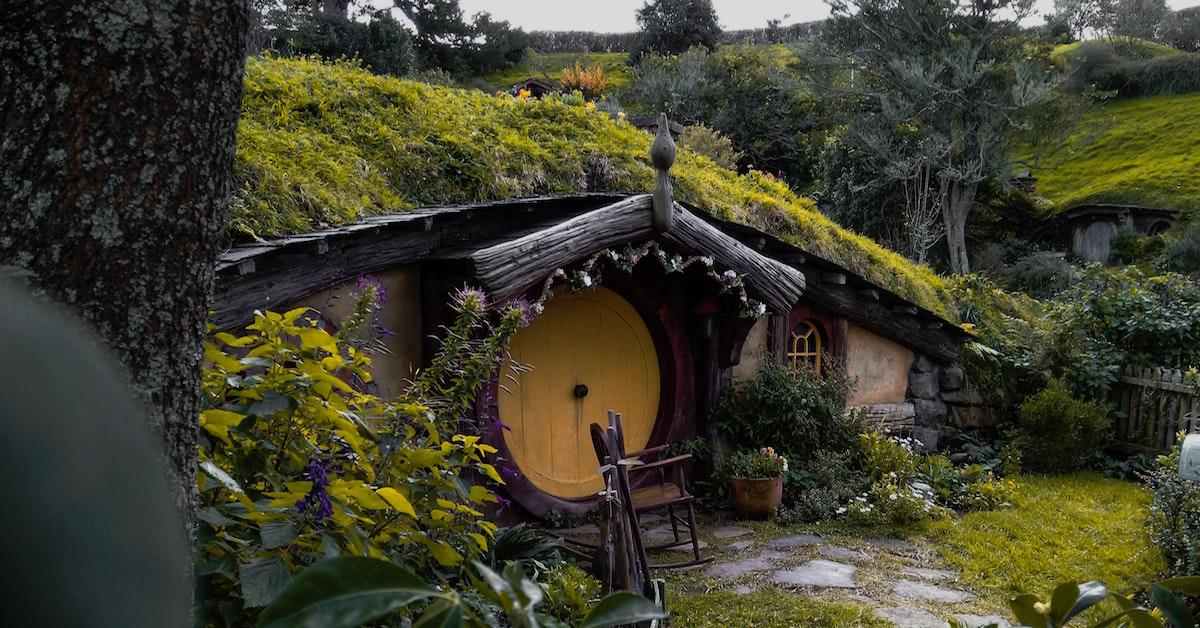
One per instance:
(757,481)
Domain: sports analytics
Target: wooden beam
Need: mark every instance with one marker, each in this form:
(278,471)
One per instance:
(777,284)
(904,308)
(869,293)
(834,278)
(880,319)
(508,268)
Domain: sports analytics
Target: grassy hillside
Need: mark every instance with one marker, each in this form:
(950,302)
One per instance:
(1137,150)
(325,144)
(1119,48)
(549,65)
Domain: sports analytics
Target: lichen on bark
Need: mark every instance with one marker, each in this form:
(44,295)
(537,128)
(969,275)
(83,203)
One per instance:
(117,150)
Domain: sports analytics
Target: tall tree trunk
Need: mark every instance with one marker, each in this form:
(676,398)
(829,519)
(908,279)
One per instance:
(956,210)
(117,151)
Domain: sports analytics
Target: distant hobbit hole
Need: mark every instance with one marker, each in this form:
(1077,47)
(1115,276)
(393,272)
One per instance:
(805,346)
(587,353)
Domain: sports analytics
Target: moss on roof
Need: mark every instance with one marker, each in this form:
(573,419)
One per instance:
(1140,151)
(550,65)
(323,144)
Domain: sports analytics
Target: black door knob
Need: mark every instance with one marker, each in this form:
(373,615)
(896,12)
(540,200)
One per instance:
(581,391)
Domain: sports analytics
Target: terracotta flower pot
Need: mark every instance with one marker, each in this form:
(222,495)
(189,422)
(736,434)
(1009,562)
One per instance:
(756,498)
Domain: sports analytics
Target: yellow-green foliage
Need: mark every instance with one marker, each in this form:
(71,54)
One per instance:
(1138,150)
(767,608)
(325,144)
(1066,528)
(550,65)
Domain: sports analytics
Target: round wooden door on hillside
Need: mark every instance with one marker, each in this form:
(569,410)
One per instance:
(588,353)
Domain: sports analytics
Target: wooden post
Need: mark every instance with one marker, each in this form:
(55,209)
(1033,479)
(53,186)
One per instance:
(662,155)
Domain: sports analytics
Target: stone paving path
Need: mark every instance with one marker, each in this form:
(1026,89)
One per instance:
(903,582)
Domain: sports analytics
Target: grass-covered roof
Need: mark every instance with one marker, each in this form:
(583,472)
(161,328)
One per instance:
(1139,151)
(322,144)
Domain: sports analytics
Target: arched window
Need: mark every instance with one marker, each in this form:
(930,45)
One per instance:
(806,346)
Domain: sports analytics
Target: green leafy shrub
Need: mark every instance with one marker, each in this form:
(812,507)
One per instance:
(1169,74)
(1151,320)
(795,410)
(570,594)
(705,141)
(820,484)
(1058,430)
(296,464)
(888,457)
(1175,516)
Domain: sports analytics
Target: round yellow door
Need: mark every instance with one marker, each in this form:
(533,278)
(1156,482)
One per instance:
(588,353)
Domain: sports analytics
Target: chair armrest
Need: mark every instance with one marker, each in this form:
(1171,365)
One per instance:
(649,451)
(668,462)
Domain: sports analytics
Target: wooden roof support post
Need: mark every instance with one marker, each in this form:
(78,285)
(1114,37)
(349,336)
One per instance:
(662,155)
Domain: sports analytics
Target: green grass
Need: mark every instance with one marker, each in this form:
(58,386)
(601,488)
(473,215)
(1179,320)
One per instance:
(1068,528)
(549,65)
(767,608)
(1140,151)
(323,144)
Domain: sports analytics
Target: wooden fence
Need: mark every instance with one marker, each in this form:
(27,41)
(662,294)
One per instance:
(1152,405)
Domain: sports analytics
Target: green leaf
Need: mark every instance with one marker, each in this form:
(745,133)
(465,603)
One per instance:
(1172,607)
(1090,594)
(212,516)
(1025,612)
(343,592)
(441,614)
(1189,585)
(622,608)
(277,534)
(270,404)
(262,579)
(218,474)
(1062,601)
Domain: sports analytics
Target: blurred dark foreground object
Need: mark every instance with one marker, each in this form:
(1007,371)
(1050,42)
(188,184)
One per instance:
(88,533)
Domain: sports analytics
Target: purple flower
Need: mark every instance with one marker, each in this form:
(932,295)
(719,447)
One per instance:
(729,274)
(500,424)
(503,502)
(527,310)
(317,495)
(508,473)
(371,281)
(472,298)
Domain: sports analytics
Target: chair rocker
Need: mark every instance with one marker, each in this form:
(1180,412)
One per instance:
(668,491)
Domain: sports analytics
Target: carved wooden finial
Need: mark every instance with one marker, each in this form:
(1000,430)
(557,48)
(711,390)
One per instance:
(662,155)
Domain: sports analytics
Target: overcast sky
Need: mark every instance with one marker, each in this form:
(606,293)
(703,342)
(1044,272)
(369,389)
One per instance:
(610,16)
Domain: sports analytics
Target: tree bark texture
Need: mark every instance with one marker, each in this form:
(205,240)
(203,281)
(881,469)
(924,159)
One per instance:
(956,210)
(119,120)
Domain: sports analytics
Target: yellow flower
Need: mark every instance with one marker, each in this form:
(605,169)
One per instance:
(621,115)
(590,106)
(524,94)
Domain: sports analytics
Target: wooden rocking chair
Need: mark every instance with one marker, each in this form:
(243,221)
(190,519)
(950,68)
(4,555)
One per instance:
(669,493)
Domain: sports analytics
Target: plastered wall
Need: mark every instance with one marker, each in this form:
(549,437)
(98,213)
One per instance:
(401,315)
(878,366)
(754,351)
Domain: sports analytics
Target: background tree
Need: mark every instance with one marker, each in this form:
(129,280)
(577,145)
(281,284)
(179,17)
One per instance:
(118,146)
(1182,29)
(446,40)
(671,27)
(943,84)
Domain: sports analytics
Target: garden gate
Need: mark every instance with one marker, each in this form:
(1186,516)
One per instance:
(1152,405)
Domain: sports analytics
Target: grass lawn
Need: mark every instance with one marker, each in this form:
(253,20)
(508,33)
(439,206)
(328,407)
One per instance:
(768,607)
(1072,527)
(1133,150)
(549,65)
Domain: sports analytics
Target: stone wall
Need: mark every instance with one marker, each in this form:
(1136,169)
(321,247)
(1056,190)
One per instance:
(941,396)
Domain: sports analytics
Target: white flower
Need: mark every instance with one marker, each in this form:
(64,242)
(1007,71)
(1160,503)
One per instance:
(841,511)
(587,280)
(892,497)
